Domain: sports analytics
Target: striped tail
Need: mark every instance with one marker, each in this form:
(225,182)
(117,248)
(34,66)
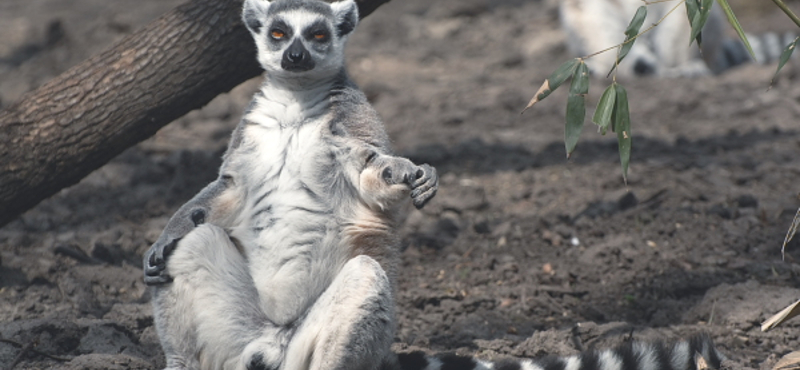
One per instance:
(679,355)
(767,48)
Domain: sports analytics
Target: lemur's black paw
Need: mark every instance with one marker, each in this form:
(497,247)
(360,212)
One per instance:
(424,185)
(155,263)
(257,362)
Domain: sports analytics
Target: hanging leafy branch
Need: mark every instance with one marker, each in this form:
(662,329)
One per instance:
(698,12)
(785,55)
(612,110)
(787,52)
(630,34)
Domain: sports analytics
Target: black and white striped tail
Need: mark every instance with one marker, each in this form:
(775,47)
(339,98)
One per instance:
(632,356)
(767,48)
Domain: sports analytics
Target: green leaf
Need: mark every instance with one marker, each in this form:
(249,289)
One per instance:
(580,80)
(576,107)
(792,231)
(735,23)
(602,115)
(622,124)
(787,53)
(700,19)
(693,12)
(630,33)
(555,80)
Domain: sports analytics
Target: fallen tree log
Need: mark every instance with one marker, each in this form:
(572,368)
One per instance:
(62,131)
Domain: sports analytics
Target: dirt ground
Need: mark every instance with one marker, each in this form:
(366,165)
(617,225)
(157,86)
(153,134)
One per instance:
(521,253)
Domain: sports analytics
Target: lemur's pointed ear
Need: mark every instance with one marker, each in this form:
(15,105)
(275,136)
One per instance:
(346,14)
(252,12)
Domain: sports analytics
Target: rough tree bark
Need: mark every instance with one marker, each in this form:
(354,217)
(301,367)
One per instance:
(62,131)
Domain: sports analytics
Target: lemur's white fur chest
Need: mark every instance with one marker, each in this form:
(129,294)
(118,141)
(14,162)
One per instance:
(288,227)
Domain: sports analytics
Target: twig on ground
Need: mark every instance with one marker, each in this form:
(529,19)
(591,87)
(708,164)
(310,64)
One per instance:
(29,348)
(21,355)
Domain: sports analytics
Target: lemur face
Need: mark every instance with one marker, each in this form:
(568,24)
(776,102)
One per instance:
(300,38)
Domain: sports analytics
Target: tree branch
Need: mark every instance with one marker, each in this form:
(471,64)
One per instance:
(59,133)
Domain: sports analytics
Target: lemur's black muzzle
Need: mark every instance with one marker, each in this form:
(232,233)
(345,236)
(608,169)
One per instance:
(297,58)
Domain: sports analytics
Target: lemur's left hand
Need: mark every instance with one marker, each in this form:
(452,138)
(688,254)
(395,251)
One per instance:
(424,186)
(422,180)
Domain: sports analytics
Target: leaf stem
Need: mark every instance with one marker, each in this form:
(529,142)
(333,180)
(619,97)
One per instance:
(641,33)
(788,11)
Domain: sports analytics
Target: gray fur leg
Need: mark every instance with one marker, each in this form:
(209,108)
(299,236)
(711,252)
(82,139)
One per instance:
(351,326)
(210,312)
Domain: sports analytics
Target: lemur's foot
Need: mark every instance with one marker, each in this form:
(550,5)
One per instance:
(155,263)
(424,186)
(263,354)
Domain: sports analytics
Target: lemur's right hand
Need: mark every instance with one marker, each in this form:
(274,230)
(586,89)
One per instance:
(155,259)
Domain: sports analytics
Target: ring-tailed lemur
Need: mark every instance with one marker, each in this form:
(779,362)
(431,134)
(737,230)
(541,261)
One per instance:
(287,260)
(593,25)
(678,355)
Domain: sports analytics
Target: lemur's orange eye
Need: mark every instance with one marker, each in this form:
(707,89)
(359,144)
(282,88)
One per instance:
(277,34)
(319,36)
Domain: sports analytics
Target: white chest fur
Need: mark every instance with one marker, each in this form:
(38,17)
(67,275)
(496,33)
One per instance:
(288,226)
(280,107)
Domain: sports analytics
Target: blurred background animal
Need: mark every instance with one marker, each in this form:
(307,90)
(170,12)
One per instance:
(594,25)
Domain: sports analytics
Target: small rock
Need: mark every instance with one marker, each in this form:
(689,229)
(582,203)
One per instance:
(747,201)
(482,227)
(721,211)
(564,230)
(547,342)
(600,208)
(104,339)
(109,362)
(627,201)
(554,239)
(463,198)
(111,254)
(502,229)
(441,233)
(502,242)
(134,316)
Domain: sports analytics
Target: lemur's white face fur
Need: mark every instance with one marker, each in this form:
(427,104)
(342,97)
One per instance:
(300,40)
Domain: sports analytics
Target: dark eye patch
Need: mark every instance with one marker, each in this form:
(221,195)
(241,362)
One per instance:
(317,31)
(278,26)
